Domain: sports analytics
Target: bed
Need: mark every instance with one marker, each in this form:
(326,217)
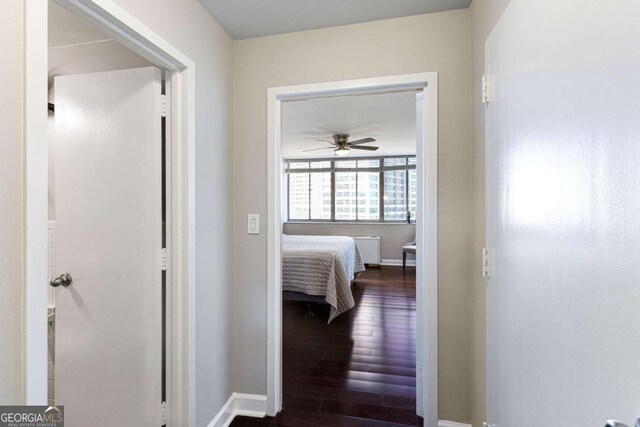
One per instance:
(320,266)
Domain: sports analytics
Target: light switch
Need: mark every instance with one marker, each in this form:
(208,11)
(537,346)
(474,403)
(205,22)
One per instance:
(253,224)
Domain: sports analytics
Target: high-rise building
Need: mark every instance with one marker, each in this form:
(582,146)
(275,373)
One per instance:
(357,189)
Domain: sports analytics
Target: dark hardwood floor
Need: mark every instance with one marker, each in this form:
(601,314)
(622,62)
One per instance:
(360,369)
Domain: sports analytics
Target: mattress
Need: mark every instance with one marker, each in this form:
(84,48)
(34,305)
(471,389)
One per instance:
(321,266)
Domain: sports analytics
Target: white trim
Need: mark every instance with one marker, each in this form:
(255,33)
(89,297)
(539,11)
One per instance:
(426,85)
(442,423)
(248,405)
(225,415)
(127,30)
(116,22)
(254,405)
(36,232)
(397,262)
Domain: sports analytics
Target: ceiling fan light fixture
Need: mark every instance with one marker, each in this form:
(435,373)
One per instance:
(341,145)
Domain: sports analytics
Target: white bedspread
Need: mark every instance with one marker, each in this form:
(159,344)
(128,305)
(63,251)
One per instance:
(321,265)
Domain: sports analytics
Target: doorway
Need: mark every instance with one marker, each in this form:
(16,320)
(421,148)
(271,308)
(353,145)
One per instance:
(178,345)
(108,227)
(351,194)
(425,87)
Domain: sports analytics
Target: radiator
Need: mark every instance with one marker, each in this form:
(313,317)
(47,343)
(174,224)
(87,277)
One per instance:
(369,249)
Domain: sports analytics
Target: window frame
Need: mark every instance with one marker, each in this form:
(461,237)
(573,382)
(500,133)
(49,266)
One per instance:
(332,169)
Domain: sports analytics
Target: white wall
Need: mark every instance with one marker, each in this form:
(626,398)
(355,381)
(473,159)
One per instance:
(484,15)
(437,42)
(563,213)
(11,200)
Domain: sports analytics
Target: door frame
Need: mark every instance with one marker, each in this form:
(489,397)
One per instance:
(127,30)
(426,228)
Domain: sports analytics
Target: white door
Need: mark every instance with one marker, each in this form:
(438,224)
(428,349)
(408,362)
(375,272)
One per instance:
(563,214)
(108,220)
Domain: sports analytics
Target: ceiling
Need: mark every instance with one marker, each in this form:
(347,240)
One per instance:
(66,29)
(389,118)
(244,19)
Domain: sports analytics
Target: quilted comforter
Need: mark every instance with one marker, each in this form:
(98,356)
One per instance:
(321,266)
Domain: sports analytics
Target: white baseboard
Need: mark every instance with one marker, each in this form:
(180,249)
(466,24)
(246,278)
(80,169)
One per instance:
(410,262)
(255,405)
(452,424)
(249,405)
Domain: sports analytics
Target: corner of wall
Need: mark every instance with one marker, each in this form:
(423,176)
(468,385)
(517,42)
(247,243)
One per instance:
(240,404)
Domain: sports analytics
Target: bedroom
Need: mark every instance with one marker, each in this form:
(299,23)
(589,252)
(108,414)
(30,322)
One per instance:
(349,222)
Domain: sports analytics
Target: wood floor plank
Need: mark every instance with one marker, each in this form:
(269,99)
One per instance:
(359,370)
(379,413)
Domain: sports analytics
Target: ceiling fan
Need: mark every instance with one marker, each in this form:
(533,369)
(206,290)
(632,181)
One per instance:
(341,144)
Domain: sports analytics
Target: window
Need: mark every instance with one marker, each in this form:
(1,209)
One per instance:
(371,189)
(299,196)
(395,195)
(345,196)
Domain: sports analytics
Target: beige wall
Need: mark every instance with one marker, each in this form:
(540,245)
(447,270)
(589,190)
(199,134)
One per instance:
(190,28)
(484,15)
(11,107)
(436,42)
(392,236)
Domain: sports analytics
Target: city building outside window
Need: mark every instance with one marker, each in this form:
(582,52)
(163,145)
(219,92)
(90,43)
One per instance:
(380,189)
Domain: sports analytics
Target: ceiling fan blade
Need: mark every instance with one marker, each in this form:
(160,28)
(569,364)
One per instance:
(362,141)
(328,142)
(321,148)
(364,148)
